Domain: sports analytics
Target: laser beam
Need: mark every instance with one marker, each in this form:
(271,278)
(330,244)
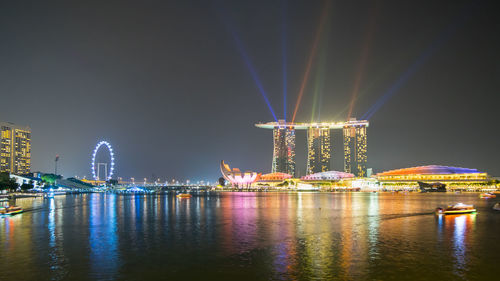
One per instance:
(370,31)
(284,54)
(311,57)
(319,81)
(421,60)
(243,53)
(381,75)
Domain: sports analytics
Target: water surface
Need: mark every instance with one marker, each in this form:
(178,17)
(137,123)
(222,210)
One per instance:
(250,236)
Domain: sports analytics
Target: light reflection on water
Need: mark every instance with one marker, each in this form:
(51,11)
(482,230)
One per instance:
(103,240)
(459,238)
(249,236)
(56,243)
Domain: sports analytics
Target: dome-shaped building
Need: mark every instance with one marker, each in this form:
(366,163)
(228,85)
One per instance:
(455,176)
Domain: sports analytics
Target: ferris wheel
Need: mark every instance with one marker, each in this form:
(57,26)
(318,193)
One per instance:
(96,166)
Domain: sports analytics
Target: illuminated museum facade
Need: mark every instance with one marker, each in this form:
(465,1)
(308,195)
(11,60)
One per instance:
(236,177)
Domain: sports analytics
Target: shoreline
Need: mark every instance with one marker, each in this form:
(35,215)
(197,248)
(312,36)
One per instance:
(17,195)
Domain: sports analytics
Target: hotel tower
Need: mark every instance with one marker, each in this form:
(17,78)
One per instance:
(319,148)
(15,149)
(284,149)
(355,150)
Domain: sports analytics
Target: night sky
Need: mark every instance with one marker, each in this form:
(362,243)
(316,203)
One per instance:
(165,82)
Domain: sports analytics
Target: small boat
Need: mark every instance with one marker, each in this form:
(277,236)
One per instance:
(496,207)
(307,187)
(184,195)
(431,187)
(487,195)
(11,210)
(456,209)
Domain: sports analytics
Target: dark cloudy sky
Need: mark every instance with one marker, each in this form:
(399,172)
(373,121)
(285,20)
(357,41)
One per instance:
(164,82)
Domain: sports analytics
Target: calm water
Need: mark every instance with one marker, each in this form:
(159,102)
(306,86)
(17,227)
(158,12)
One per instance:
(250,236)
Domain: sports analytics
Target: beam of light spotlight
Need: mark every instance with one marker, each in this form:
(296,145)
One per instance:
(318,94)
(382,74)
(370,32)
(243,53)
(319,81)
(284,53)
(311,57)
(421,60)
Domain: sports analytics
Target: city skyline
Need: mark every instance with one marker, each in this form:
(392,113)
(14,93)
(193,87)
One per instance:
(429,90)
(249,140)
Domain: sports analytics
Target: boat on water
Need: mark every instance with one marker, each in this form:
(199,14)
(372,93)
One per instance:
(487,195)
(11,210)
(456,209)
(184,195)
(306,187)
(496,206)
(432,187)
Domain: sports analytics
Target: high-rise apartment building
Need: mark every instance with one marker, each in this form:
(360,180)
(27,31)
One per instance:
(318,150)
(15,148)
(284,150)
(355,150)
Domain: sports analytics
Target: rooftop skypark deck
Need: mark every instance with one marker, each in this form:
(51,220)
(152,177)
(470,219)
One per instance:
(305,126)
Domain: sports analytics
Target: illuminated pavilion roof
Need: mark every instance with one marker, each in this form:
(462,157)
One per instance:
(429,170)
(305,126)
(275,177)
(329,175)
